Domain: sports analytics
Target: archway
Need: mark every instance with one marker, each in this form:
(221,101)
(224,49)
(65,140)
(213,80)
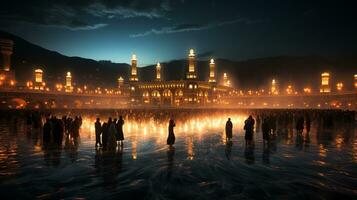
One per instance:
(146,97)
(155,97)
(178,97)
(167,97)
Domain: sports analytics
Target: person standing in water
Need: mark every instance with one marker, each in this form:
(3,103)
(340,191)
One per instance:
(249,129)
(171,137)
(120,133)
(229,128)
(98,132)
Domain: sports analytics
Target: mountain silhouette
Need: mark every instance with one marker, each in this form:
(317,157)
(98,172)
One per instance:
(300,71)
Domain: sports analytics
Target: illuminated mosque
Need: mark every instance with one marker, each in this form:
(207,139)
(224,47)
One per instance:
(176,92)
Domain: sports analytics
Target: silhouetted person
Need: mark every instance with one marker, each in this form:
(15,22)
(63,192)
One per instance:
(98,132)
(266,130)
(120,133)
(57,131)
(47,127)
(105,134)
(249,128)
(229,127)
(112,132)
(171,137)
(75,128)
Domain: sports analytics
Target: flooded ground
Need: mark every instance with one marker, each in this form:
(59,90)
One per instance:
(202,165)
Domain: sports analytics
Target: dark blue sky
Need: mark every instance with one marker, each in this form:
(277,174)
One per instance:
(162,30)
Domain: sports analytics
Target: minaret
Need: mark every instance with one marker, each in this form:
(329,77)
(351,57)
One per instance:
(6,52)
(226,81)
(134,70)
(120,82)
(158,72)
(191,74)
(68,86)
(39,83)
(325,83)
(274,87)
(212,74)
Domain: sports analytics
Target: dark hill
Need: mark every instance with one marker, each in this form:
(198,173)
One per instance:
(301,71)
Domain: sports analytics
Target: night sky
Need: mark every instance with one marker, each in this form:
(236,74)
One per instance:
(163,30)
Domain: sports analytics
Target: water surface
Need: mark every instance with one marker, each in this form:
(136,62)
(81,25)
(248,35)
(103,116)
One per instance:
(202,165)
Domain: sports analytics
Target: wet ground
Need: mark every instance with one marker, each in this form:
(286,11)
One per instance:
(202,165)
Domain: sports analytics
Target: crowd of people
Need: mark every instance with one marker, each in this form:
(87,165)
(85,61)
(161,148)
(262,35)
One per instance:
(54,129)
(109,135)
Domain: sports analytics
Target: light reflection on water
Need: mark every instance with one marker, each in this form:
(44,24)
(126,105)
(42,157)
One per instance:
(202,165)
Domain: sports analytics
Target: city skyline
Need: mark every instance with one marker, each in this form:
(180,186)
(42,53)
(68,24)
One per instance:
(158,30)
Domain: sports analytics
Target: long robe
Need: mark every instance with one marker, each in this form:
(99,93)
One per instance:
(171,138)
(119,126)
(229,127)
(112,141)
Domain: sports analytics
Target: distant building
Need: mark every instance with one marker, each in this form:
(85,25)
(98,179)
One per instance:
(177,92)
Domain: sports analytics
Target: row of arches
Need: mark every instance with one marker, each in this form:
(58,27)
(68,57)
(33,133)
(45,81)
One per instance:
(177,97)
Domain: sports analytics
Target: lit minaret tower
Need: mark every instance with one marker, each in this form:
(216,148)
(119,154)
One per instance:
(69,87)
(158,72)
(226,81)
(191,74)
(134,70)
(212,75)
(120,82)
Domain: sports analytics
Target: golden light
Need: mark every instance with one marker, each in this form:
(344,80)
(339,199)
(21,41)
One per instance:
(289,90)
(307,90)
(339,86)
(12,82)
(133,57)
(38,75)
(274,87)
(355,76)
(192,52)
(325,79)
(212,61)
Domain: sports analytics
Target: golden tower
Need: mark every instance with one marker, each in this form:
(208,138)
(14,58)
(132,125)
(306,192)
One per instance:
(39,84)
(120,82)
(325,83)
(134,69)
(69,87)
(212,73)
(274,87)
(158,72)
(191,74)
(226,81)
